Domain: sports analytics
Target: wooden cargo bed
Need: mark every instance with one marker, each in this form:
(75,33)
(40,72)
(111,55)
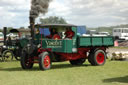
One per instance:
(95,41)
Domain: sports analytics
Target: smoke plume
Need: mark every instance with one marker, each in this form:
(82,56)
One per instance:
(39,7)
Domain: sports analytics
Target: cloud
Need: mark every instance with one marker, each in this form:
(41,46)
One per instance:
(14,13)
(99,12)
(91,13)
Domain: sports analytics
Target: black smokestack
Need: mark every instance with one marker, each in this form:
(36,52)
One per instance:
(32,22)
(37,7)
(5,33)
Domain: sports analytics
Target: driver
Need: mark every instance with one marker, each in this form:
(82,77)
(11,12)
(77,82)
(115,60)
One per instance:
(38,36)
(54,34)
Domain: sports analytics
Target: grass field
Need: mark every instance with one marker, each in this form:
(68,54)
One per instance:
(112,73)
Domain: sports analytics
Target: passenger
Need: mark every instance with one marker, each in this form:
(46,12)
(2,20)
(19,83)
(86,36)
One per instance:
(54,34)
(69,33)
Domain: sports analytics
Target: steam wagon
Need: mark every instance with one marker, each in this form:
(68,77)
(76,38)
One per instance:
(56,43)
(12,45)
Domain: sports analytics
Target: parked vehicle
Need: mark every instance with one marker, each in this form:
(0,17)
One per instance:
(12,47)
(1,36)
(94,33)
(120,33)
(104,33)
(47,47)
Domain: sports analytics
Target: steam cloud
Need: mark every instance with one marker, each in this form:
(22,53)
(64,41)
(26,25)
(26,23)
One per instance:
(38,7)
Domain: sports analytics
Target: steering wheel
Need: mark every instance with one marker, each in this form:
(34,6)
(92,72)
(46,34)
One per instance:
(56,37)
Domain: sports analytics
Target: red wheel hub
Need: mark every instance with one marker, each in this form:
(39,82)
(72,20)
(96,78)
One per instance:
(46,61)
(100,58)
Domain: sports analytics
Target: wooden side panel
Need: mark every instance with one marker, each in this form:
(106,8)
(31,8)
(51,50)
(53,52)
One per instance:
(95,41)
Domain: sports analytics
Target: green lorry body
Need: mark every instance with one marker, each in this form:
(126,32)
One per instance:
(66,45)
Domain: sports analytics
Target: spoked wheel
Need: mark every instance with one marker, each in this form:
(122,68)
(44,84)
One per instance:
(78,61)
(7,55)
(97,57)
(26,61)
(44,61)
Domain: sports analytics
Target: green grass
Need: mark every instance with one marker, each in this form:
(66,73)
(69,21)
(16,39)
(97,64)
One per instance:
(112,73)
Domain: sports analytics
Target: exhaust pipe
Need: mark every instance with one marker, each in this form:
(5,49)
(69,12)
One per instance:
(32,27)
(5,33)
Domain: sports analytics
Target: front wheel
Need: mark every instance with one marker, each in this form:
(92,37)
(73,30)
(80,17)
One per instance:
(77,62)
(45,61)
(26,61)
(97,57)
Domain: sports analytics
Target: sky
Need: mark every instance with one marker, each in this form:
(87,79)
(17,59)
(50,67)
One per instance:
(92,13)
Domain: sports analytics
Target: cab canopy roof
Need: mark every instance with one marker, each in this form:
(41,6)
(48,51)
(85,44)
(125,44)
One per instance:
(19,30)
(55,25)
(14,31)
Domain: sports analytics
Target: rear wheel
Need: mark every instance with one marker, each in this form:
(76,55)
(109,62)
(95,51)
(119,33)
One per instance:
(26,61)
(45,61)
(77,62)
(97,57)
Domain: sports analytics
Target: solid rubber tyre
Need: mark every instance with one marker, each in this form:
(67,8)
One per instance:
(45,61)
(25,63)
(97,57)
